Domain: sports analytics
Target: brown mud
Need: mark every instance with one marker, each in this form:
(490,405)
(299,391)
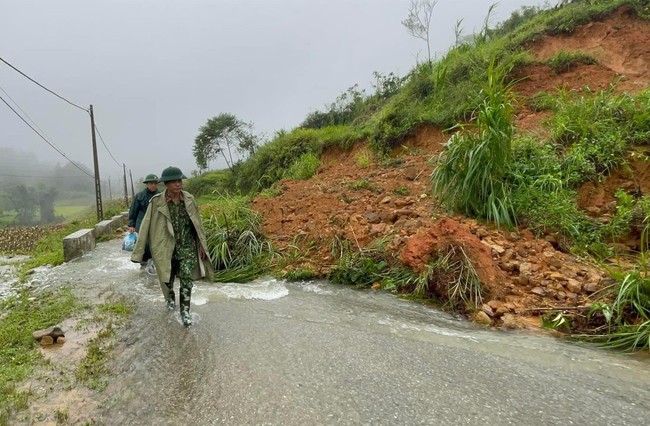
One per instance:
(522,275)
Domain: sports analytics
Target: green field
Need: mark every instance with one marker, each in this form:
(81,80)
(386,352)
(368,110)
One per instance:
(68,209)
(72,211)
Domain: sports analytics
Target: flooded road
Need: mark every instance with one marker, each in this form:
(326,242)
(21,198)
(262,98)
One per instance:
(278,353)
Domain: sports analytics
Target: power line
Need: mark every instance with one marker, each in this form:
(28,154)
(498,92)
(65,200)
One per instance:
(40,85)
(40,176)
(23,111)
(60,97)
(46,141)
(104,143)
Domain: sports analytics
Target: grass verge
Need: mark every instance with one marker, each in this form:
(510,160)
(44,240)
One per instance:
(19,354)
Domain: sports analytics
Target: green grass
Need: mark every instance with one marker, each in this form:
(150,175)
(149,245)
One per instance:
(92,370)
(363,159)
(365,184)
(49,251)
(441,97)
(304,167)
(627,317)
(469,176)
(565,61)
(7,218)
(236,246)
(19,354)
(300,273)
(73,211)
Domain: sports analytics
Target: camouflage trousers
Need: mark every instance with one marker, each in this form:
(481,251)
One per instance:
(181,268)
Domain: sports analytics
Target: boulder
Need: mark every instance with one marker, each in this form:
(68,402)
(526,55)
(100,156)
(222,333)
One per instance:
(482,318)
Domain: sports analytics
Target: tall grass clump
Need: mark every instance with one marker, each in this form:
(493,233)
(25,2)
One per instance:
(451,276)
(236,245)
(304,167)
(626,320)
(370,267)
(470,174)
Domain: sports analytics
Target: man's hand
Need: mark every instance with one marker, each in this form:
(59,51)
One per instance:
(130,229)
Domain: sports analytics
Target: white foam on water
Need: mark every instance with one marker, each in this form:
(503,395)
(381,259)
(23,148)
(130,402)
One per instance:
(265,289)
(426,328)
(315,288)
(199,299)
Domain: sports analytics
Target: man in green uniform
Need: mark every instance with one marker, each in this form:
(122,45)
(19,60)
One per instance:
(139,208)
(173,228)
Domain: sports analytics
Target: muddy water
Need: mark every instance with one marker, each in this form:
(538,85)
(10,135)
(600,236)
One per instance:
(271,352)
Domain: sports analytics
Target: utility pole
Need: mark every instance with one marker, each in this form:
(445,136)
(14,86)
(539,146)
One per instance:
(98,183)
(132,190)
(126,193)
(110,191)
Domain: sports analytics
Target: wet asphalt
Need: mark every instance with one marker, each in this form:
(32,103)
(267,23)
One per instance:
(277,353)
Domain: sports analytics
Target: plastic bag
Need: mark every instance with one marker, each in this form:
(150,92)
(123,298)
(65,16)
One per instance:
(129,241)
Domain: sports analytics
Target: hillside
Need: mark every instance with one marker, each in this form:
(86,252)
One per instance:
(356,201)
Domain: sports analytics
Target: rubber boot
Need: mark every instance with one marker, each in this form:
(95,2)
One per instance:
(170,296)
(184,297)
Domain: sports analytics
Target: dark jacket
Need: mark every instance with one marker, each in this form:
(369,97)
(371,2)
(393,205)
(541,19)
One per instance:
(139,207)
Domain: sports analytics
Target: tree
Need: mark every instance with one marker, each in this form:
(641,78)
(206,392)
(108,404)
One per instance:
(418,22)
(46,198)
(222,135)
(25,202)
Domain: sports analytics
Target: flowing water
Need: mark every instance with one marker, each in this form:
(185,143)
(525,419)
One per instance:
(272,352)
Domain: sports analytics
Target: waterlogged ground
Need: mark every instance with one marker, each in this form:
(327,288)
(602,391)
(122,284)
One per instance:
(271,352)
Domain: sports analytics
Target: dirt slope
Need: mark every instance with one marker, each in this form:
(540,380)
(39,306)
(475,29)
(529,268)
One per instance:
(521,274)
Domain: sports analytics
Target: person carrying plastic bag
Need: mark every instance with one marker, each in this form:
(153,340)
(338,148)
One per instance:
(128,244)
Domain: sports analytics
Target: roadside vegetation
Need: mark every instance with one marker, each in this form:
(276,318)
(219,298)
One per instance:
(19,354)
(29,310)
(488,170)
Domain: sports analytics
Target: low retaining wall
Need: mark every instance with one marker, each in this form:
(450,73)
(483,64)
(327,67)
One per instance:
(84,241)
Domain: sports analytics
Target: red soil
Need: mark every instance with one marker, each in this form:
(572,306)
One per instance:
(520,273)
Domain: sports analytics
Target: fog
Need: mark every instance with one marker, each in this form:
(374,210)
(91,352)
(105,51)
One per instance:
(156,70)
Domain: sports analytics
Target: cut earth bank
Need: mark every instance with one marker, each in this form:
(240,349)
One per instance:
(522,275)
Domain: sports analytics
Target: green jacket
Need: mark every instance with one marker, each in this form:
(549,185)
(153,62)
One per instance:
(156,229)
(139,207)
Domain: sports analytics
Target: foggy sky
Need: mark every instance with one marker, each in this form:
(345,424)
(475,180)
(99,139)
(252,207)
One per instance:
(156,70)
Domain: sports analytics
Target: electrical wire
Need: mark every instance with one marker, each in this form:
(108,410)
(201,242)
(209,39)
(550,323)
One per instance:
(108,150)
(46,141)
(61,97)
(23,111)
(40,85)
(39,176)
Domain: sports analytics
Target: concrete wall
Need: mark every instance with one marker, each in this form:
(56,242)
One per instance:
(84,241)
